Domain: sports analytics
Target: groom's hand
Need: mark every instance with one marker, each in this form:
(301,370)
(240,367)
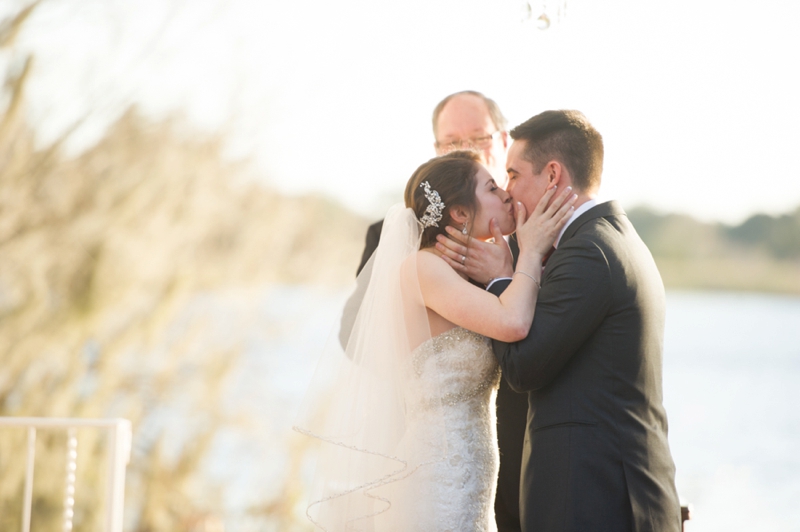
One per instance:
(481,261)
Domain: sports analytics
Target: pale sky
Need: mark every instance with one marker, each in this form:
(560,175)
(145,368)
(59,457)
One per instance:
(697,101)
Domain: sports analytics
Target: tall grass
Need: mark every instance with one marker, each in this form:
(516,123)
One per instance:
(100,256)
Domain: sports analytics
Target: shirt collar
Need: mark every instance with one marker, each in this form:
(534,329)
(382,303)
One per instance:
(580,210)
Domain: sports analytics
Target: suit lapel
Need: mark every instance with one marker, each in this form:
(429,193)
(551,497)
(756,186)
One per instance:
(514,246)
(602,210)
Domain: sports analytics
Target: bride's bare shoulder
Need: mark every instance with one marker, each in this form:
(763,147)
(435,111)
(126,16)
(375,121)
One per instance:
(426,264)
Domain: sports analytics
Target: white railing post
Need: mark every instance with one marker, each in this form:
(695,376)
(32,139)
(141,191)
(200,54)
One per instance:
(119,451)
(72,475)
(28,497)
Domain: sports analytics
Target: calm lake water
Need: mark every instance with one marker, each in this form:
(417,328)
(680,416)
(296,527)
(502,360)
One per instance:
(732,393)
(731,387)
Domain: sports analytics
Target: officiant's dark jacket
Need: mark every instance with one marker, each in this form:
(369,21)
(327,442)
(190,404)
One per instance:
(512,411)
(596,456)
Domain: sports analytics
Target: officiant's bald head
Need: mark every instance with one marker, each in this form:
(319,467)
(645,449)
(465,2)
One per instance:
(468,119)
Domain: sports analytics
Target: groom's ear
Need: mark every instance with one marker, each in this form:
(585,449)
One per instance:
(555,172)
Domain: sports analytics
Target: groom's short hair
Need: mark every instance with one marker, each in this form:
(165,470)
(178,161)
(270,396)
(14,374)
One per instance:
(567,137)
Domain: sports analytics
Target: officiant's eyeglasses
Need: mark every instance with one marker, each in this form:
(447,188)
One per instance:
(476,143)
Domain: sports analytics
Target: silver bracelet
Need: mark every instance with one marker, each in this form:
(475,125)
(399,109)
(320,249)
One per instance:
(531,276)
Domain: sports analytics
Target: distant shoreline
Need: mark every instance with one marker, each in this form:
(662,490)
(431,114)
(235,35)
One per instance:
(762,254)
(725,274)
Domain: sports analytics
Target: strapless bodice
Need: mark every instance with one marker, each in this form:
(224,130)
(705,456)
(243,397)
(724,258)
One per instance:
(455,367)
(453,378)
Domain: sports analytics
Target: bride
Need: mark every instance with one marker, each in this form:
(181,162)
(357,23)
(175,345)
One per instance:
(406,413)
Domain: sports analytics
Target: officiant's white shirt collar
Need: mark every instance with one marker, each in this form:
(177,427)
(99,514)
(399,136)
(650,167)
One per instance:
(580,210)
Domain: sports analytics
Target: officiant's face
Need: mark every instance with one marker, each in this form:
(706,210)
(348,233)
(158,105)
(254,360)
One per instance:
(465,123)
(524,185)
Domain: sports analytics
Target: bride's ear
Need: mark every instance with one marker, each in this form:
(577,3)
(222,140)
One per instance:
(459,215)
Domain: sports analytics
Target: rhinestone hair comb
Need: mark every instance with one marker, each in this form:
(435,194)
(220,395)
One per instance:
(433,214)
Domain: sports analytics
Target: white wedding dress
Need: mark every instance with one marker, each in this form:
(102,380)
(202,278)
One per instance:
(455,493)
(407,420)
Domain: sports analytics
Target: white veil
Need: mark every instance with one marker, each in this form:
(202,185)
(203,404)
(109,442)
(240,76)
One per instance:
(357,401)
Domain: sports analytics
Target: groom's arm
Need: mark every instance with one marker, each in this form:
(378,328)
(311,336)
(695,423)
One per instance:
(572,303)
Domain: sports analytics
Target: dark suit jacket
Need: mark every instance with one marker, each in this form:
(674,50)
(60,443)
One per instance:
(373,237)
(512,411)
(596,455)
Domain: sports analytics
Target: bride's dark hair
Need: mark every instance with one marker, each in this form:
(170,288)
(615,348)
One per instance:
(453,177)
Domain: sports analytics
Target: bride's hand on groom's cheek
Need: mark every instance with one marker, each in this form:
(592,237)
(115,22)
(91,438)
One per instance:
(480,261)
(539,230)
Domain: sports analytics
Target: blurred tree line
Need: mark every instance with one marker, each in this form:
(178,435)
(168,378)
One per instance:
(761,253)
(102,256)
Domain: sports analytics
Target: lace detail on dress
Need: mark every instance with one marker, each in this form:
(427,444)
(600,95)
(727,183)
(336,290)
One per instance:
(455,494)
(460,389)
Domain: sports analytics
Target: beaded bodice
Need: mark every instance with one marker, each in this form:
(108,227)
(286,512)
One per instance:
(463,365)
(453,382)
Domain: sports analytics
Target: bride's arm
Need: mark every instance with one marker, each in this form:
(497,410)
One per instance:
(507,318)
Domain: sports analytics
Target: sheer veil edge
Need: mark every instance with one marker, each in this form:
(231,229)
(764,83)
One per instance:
(356,404)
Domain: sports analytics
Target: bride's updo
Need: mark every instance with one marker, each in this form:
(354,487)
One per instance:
(453,177)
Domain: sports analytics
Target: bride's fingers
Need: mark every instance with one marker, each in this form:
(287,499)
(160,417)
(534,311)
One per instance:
(521,213)
(559,201)
(565,212)
(541,207)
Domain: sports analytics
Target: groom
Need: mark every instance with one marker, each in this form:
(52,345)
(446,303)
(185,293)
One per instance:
(596,455)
